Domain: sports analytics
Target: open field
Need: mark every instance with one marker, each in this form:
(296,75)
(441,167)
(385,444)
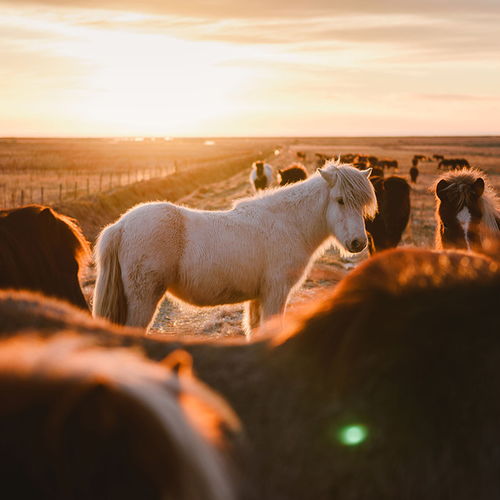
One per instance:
(56,170)
(202,182)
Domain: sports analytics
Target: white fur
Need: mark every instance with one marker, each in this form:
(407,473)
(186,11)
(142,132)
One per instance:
(464,219)
(268,172)
(258,251)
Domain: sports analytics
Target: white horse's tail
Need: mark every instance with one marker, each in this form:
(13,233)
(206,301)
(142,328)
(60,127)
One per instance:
(109,295)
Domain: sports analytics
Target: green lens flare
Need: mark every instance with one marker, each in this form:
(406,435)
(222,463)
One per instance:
(352,435)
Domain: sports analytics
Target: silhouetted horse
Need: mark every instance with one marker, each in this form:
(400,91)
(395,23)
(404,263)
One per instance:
(294,173)
(414,174)
(453,163)
(384,391)
(393,198)
(82,421)
(438,157)
(42,250)
(388,164)
(416,159)
(377,172)
(467,212)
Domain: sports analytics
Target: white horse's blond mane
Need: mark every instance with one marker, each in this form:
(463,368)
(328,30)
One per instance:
(355,188)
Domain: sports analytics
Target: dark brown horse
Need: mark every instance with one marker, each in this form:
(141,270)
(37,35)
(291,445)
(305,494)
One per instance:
(466,210)
(384,388)
(85,422)
(388,163)
(414,172)
(42,250)
(453,163)
(393,198)
(294,173)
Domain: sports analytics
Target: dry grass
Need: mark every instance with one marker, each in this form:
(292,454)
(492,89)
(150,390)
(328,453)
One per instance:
(220,176)
(50,171)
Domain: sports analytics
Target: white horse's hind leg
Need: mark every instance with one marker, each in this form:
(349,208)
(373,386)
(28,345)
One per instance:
(143,297)
(251,316)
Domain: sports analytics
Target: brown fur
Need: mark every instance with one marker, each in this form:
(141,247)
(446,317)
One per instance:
(42,250)
(393,198)
(294,173)
(406,345)
(414,174)
(457,190)
(83,422)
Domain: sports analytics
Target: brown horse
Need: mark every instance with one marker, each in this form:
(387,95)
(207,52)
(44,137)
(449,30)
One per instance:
(393,199)
(453,163)
(467,212)
(294,173)
(384,388)
(414,172)
(81,421)
(42,250)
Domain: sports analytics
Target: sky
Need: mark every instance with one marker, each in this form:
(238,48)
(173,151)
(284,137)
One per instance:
(249,68)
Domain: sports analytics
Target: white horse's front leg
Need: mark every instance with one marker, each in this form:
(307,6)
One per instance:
(274,303)
(252,316)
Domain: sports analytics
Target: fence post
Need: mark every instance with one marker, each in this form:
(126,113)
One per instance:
(76,190)
(41,195)
(100,182)
(60,193)
(22,197)
(110,180)
(88,185)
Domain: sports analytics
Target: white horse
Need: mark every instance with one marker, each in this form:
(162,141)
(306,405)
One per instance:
(261,176)
(258,251)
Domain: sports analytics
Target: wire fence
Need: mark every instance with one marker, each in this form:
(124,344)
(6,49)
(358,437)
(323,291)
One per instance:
(49,187)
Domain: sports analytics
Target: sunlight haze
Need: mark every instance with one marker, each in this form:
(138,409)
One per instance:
(109,68)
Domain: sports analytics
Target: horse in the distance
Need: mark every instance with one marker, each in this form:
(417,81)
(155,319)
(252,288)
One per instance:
(467,211)
(78,420)
(44,251)
(209,258)
(387,227)
(261,176)
(453,163)
(414,173)
(294,173)
(402,353)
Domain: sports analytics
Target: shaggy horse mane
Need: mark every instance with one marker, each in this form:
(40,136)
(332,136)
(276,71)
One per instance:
(459,184)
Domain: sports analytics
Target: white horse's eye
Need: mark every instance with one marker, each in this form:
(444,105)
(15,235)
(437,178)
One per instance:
(340,201)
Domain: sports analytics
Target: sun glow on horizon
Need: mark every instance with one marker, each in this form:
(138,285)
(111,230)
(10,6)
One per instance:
(140,83)
(84,71)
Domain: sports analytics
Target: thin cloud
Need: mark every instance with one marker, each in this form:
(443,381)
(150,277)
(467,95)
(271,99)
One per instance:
(458,97)
(278,8)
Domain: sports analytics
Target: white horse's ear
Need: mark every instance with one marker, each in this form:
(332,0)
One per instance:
(329,176)
(367,172)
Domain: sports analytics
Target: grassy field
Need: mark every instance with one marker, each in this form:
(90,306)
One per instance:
(211,175)
(50,171)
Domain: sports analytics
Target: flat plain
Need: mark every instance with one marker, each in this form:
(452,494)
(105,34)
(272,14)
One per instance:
(29,163)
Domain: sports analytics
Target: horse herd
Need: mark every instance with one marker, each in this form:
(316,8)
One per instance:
(383,389)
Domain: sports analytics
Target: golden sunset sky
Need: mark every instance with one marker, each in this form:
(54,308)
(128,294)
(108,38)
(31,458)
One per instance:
(253,68)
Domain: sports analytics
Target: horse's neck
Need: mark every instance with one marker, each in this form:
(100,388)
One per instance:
(305,205)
